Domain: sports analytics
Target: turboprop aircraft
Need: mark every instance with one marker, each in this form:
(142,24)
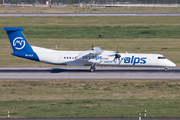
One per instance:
(94,57)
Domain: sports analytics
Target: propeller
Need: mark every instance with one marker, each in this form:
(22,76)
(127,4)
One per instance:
(117,56)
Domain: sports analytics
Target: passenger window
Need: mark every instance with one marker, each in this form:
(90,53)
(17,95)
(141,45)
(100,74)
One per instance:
(64,57)
(69,57)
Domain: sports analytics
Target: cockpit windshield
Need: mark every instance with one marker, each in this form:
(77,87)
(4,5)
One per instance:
(162,57)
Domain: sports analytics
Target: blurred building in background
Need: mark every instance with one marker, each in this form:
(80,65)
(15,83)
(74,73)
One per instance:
(115,3)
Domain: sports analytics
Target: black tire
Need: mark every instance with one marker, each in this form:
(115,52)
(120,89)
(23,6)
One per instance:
(165,69)
(92,69)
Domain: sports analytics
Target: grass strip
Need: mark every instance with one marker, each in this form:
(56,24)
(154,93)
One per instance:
(71,9)
(89,98)
(132,34)
(71,32)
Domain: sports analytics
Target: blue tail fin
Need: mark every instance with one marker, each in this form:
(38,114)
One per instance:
(18,40)
(20,46)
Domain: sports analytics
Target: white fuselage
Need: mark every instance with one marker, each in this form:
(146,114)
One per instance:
(79,58)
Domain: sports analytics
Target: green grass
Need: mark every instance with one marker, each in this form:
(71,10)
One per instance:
(88,21)
(89,98)
(71,9)
(132,34)
(71,32)
(91,27)
(91,108)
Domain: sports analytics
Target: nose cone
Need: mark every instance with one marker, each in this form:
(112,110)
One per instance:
(170,64)
(173,64)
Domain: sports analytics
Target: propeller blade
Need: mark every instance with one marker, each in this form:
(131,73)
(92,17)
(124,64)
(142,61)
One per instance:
(117,49)
(116,55)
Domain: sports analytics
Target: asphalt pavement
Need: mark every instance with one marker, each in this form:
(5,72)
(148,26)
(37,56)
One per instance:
(84,73)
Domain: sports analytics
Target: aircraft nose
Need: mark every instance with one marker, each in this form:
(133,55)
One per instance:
(170,64)
(173,65)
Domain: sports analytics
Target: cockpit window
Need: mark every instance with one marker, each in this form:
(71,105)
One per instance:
(161,57)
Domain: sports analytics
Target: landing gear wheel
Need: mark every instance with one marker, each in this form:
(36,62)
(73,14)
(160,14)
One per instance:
(92,69)
(165,69)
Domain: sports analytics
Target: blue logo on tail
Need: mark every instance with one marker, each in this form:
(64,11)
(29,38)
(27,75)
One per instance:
(19,43)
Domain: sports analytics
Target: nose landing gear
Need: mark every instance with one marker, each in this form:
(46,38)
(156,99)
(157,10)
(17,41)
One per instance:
(166,69)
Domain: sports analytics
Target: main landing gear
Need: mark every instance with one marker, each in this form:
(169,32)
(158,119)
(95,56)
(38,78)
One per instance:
(93,67)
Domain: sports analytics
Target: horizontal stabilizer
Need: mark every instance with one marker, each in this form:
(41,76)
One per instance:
(13,29)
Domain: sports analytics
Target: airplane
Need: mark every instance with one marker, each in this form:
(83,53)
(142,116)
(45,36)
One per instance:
(94,57)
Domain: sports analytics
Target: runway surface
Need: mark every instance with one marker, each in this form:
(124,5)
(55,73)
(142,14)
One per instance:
(83,73)
(85,14)
(97,119)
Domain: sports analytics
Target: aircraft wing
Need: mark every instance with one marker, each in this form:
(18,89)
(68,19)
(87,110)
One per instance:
(95,51)
(90,53)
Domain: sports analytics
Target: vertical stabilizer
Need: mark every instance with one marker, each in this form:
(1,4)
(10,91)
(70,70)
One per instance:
(19,44)
(17,40)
